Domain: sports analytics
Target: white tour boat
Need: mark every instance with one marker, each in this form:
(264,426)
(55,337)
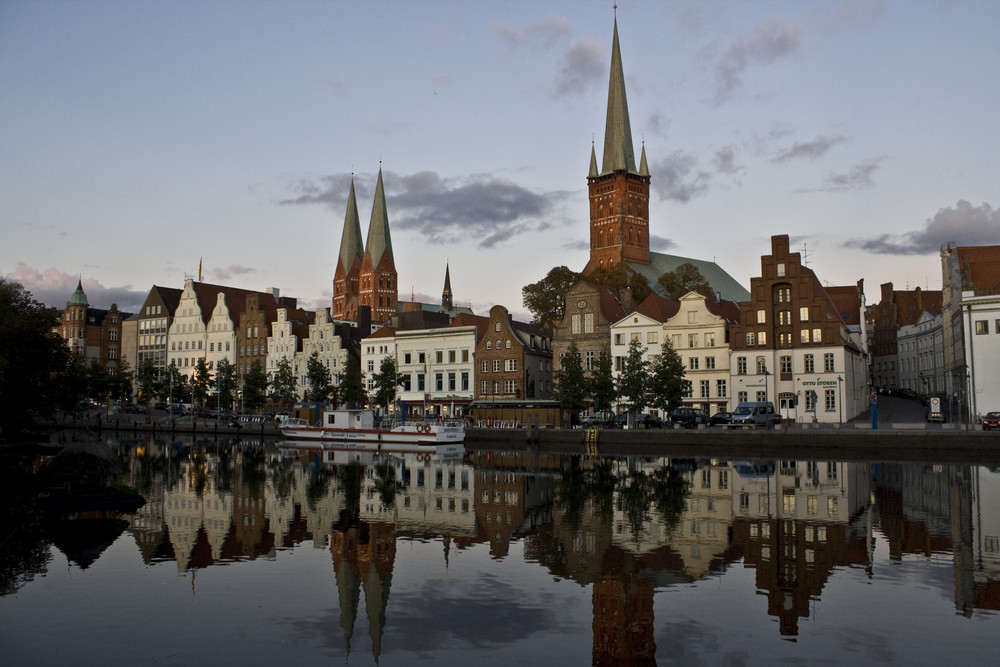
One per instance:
(358,425)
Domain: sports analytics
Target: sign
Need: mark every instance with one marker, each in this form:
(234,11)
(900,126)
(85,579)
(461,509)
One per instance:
(873,399)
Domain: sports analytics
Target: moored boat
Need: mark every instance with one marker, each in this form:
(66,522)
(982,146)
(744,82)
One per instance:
(359,425)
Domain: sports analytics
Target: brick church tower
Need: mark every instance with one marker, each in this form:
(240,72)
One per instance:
(378,279)
(348,273)
(619,192)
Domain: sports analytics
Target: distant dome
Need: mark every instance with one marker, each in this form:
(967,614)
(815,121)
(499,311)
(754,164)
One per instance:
(78,298)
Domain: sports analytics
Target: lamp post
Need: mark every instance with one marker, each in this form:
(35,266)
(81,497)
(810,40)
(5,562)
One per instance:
(840,399)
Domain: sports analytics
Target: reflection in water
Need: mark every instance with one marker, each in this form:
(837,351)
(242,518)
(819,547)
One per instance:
(624,527)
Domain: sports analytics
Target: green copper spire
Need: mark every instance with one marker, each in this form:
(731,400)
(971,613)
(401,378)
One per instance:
(618,153)
(350,243)
(593,163)
(643,168)
(379,242)
(78,298)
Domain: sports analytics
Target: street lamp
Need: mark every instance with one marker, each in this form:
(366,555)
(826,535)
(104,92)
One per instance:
(840,399)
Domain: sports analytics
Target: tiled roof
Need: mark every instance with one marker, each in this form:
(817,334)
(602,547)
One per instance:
(658,308)
(980,267)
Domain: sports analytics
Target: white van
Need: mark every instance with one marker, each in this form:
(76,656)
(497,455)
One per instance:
(759,413)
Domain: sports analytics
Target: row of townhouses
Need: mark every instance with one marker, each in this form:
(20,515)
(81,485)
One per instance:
(818,352)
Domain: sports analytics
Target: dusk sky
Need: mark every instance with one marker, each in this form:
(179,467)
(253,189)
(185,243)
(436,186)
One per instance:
(140,138)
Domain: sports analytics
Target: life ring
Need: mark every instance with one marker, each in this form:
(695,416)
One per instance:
(423,428)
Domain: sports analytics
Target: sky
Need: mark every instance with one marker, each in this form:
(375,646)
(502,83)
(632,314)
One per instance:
(141,139)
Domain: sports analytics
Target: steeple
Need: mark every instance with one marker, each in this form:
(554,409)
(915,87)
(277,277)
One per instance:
(351,249)
(618,153)
(379,241)
(446,294)
(643,168)
(378,269)
(348,271)
(593,173)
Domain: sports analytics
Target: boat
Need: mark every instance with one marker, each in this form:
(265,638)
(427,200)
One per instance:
(359,426)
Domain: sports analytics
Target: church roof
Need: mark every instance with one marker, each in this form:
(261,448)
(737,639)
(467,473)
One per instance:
(79,298)
(379,241)
(722,283)
(351,248)
(618,152)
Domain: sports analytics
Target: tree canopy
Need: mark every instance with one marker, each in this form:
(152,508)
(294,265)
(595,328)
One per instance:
(570,382)
(319,379)
(283,384)
(386,382)
(685,278)
(544,299)
(666,379)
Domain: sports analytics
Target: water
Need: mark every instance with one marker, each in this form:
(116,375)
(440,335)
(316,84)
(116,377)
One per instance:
(257,553)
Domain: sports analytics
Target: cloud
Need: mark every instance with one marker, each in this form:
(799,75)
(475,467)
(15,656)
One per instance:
(583,67)
(809,150)
(227,272)
(769,43)
(54,288)
(660,244)
(677,178)
(538,36)
(860,177)
(725,161)
(964,224)
(479,207)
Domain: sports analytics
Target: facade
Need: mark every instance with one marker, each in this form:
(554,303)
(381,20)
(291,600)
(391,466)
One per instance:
(982,344)
(644,324)
(285,340)
(791,346)
(93,333)
(699,333)
(897,309)
(974,269)
(514,360)
(920,350)
(152,327)
(331,342)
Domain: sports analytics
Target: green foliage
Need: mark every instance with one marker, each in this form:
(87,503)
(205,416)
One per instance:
(145,377)
(318,377)
(386,382)
(33,360)
(685,278)
(350,391)
(545,299)
(633,382)
(255,386)
(613,278)
(666,379)
(283,384)
(570,382)
(601,383)
(201,383)
(120,382)
(225,382)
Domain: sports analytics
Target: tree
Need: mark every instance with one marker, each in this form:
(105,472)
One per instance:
(350,390)
(318,377)
(570,383)
(601,383)
(545,299)
(97,380)
(255,386)
(173,384)
(685,278)
(667,385)
(225,382)
(33,360)
(120,382)
(634,378)
(613,278)
(283,384)
(145,377)
(201,383)
(386,382)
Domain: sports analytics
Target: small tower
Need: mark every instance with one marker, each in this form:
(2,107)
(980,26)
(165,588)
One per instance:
(74,321)
(348,272)
(446,300)
(378,288)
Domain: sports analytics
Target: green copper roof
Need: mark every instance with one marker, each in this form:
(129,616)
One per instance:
(618,153)
(78,298)
(351,249)
(379,242)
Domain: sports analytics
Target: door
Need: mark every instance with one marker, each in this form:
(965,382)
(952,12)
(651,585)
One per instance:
(786,407)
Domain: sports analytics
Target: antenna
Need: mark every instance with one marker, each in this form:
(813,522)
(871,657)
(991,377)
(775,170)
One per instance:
(805,255)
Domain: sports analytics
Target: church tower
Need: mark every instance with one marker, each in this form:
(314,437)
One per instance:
(348,273)
(619,191)
(446,296)
(378,288)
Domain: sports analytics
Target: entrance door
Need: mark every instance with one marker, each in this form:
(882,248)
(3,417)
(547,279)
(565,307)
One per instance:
(786,407)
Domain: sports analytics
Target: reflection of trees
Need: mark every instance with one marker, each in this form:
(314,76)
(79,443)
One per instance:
(317,485)
(282,477)
(580,486)
(253,472)
(349,479)
(25,552)
(385,482)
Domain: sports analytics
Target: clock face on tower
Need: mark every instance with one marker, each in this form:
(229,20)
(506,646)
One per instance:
(581,304)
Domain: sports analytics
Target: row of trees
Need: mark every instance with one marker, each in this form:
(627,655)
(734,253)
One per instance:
(642,383)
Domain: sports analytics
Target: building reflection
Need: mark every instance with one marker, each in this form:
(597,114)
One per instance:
(626,528)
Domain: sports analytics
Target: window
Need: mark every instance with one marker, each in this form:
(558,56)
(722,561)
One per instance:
(451,381)
(808,364)
(498,326)
(804,336)
(704,388)
(710,339)
(781,269)
(636,336)
(982,327)
(761,338)
(439,357)
(484,387)
(751,339)
(761,317)
(804,314)
(828,362)
(710,363)
(692,317)
(510,365)
(784,317)
(652,337)
(810,401)
(588,323)
(510,386)
(451,356)
(465,380)
(675,340)
(484,366)
(693,363)
(693,340)
(761,365)
(489,345)
(817,335)
(997,327)
(831,506)
(465,356)
(783,294)
(785,339)
(406,358)
(720,388)
(831,399)
(785,363)
(741,397)
(421,358)
(420,382)
(496,365)
(575,324)
(619,339)
(589,360)
(741,365)
(439,382)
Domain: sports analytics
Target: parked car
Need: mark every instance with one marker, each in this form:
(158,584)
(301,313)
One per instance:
(597,420)
(720,418)
(649,421)
(991,422)
(619,421)
(756,414)
(688,417)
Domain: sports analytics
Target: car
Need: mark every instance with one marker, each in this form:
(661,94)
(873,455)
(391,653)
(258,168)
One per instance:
(597,420)
(991,422)
(649,421)
(720,418)
(619,421)
(688,417)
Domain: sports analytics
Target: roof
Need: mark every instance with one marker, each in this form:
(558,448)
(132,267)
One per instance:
(980,267)
(658,308)
(382,332)
(481,323)
(618,152)
(721,282)
(79,297)
(379,242)
(351,248)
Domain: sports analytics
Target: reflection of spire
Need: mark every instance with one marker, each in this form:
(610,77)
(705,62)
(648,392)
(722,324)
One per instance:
(381,555)
(343,548)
